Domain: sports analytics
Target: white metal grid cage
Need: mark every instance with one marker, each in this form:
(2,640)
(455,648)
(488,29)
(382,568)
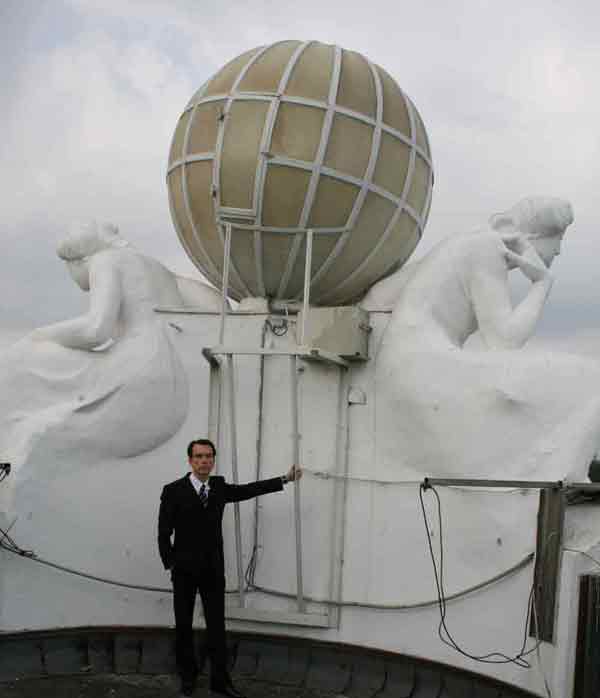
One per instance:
(297,136)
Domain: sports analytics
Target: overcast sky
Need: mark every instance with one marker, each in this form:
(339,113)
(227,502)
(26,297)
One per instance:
(91,91)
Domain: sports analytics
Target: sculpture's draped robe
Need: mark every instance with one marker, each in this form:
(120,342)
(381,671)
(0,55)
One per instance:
(118,401)
(454,412)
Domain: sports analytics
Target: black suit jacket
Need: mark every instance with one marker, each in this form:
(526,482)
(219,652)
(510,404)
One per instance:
(198,542)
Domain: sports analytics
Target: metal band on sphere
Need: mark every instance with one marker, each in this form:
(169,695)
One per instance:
(297,136)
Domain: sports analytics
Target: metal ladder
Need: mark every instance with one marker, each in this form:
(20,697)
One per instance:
(222,385)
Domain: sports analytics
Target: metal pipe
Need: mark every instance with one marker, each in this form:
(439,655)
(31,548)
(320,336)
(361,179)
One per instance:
(296,460)
(306,296)
(214,403)
(236,479)
(482,482)
(225,282)
(583,486)
(259,437)
(340,496)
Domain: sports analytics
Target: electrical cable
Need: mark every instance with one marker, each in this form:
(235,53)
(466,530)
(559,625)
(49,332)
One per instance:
(278,329)
(250,572)
(403,607)
(4,471)
(443,631)
(11,543)
(582,552)
(251,567)
(251,587)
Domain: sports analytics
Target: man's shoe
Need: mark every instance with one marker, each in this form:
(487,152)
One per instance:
(187,687)
(226,690)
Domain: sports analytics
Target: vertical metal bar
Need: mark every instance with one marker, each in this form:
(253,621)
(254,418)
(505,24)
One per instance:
(546,575)
(340,495)
(225,282)
(235,473)
(306,295)
(296,424)
(219,412)
(296,459)
(214,404)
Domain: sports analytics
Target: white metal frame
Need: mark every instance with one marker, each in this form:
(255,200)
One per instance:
(212,267)
(307,102)
(316,168)
(214,356)
(402,204)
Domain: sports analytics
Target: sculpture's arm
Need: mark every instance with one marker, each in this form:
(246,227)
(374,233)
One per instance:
(97,325)
(501,325)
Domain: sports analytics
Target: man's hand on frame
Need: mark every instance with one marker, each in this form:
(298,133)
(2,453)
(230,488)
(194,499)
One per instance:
(294,473)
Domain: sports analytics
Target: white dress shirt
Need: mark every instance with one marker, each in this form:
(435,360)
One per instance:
(198,484)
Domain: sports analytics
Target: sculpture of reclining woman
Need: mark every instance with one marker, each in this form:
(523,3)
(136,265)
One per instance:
(109,382)
(504,412)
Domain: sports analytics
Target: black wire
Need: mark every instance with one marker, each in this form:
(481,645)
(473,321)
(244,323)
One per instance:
(446,636)
(12,546)
(4,471)
(492,657)
(8,543)
(251,569)
(280,329)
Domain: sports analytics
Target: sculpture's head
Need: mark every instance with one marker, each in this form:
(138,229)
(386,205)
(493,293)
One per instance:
(81,242)
(541,220)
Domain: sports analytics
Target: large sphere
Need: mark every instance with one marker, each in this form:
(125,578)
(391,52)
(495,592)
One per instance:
(298,136)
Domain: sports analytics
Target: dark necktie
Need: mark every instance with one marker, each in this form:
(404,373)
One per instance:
(203,494)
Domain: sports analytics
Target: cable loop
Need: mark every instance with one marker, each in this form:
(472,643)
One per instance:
(443,632)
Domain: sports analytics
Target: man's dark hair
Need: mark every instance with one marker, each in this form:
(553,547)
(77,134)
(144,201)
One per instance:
(201,442)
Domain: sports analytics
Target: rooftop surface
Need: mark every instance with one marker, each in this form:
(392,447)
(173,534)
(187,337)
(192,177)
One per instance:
(135,686)
(140,663)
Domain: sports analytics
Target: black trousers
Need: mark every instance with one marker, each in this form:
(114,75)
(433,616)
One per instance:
(212,592)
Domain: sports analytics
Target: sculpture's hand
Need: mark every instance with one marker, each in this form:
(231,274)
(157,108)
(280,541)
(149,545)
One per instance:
(521,253)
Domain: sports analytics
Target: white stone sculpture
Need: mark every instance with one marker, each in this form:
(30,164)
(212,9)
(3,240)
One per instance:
(501,412)
(110,381)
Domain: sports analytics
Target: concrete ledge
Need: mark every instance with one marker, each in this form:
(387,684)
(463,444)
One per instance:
(128,653)
(64,655)
(20,658)
(315,668)
(100,652)
(329,670)
(400,678)
(158,654)
(368,677)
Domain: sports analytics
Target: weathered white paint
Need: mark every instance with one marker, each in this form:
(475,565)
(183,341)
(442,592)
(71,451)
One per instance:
(501,412)
(99,515)
(94,510)
(90,376)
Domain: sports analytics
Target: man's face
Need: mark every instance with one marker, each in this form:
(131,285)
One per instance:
(202,460)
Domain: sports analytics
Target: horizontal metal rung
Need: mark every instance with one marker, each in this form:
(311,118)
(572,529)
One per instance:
(310,620)
(482,482)
(304,352)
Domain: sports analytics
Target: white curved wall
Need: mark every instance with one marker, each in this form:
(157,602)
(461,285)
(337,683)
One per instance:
(101,518)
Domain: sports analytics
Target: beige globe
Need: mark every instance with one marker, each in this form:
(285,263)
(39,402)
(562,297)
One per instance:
(292,137)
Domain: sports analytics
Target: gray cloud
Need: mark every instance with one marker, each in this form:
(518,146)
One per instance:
(94,88)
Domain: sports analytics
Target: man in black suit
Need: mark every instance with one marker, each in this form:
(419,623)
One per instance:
(192,508)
